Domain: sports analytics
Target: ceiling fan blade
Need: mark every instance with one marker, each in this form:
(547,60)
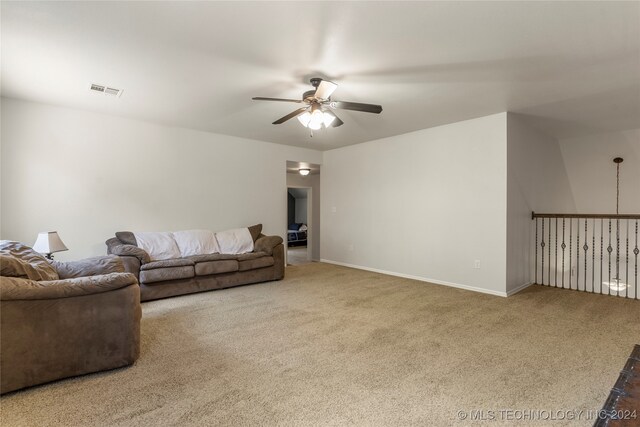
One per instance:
(356,106)
(336,120)
(325,89)
(261,98)
(290,115)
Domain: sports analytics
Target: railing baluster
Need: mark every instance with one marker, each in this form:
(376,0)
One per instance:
(601,251)
(564,246)
(549,252)
(578,256)
(626,263)
(586,248)
(609,249)
(535,265)
(617,257)
(570,250)
(555,283)
(636,251)
(593,258)
(542,246)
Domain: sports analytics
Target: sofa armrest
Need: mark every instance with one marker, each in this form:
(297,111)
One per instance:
(267,243)
(12,288)
(115,247)
(89,267)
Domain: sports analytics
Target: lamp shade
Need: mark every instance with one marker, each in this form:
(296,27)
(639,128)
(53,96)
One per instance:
(49,242)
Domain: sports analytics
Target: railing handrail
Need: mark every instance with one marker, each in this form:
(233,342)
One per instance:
(603,216)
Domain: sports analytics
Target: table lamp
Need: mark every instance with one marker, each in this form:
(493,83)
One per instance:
(49,242)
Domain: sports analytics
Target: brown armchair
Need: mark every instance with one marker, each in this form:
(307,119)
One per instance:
(77,318)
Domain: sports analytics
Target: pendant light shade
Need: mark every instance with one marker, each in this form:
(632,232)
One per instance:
(304,118)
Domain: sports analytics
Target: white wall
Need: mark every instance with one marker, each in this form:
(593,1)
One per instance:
(536,181)
(313,217)
(301,210)
(592,173)
(88,175)
(426,204)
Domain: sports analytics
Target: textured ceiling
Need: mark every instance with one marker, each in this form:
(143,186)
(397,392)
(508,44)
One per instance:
(572,68)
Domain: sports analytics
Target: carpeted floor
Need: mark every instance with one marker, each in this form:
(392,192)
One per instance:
(297,255)
(334,346)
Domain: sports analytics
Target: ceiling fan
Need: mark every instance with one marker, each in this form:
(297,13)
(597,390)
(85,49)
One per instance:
(317,111)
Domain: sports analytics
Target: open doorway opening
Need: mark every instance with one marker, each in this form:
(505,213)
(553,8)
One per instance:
(303,213)
(298,225)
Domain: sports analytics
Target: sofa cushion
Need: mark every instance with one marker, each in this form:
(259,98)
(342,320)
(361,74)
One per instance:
(158,275)
(19,260)
(167,263)
(216,267)
(211,257)
(252,264)
(159,245)
(250,255)
(196,242)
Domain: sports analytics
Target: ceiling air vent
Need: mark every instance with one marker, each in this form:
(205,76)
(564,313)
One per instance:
(105,90)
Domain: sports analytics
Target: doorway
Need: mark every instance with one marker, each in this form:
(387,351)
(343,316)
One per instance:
(303,213)
(297,225)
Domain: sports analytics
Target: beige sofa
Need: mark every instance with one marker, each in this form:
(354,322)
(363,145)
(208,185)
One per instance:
(64,319)
(198,273)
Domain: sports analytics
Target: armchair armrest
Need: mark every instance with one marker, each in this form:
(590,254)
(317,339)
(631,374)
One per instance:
(267,243)
(89,267)
(13,288)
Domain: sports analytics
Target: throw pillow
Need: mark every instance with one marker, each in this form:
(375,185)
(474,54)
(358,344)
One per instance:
(255,231)
(126,237)
(19,260)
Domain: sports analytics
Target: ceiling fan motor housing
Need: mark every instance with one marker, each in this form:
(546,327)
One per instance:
(309,95)
(315,81)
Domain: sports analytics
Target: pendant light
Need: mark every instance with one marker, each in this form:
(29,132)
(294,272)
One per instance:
(616,284)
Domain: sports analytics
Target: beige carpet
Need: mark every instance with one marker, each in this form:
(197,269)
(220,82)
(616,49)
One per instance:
(297,255)
(335,346)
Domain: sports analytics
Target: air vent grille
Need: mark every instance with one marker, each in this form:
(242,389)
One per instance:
(97,88)
(105,90)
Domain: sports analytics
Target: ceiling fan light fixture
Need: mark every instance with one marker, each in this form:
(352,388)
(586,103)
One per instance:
(312,115)
(316,120)
(327,119)
(304,171)
(304,118)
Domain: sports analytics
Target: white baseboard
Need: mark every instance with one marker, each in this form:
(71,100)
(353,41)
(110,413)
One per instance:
(426,279)
(518,289)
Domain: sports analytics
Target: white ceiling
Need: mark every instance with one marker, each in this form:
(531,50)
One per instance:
(572,67)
